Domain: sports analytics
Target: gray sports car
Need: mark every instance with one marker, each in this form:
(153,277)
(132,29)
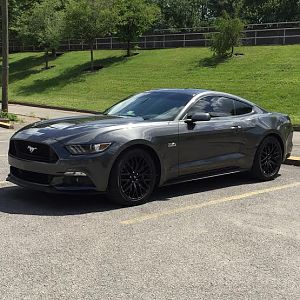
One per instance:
(148,140)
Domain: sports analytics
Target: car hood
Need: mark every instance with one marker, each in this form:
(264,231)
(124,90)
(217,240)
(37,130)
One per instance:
(69,129)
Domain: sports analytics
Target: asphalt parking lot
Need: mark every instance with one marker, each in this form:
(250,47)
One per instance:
(224,238)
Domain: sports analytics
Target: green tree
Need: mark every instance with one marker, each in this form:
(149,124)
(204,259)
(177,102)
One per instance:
(134,17)
(42,25)
(182,13)
(229,33)
(289,10)
(15,10)
(232,8)
(257,11)
(88,20)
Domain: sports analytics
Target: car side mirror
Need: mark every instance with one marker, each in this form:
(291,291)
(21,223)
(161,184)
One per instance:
(199,117)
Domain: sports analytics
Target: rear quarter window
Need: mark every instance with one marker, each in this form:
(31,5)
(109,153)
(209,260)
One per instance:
(242,108)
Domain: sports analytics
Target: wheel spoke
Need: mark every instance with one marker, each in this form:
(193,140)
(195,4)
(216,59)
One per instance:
(264,159)
(128,187)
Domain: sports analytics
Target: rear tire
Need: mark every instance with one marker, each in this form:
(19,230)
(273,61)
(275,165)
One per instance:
(133,178)
(268,159)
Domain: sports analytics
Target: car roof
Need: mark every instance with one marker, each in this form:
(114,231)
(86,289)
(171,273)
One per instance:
(192,92)
(197,92)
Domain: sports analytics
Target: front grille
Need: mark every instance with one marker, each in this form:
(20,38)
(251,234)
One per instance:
(31,176)
(32,151)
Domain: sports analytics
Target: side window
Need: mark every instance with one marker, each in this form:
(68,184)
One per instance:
(202,106)
(215,106)
(242,108)
(222,107)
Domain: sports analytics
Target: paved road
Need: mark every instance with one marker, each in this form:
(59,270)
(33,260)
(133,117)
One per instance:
(226,238)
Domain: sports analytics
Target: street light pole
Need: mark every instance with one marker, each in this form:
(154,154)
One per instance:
(5,51)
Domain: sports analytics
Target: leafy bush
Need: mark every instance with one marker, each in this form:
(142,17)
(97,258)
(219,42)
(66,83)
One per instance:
(9,116)
(228,35)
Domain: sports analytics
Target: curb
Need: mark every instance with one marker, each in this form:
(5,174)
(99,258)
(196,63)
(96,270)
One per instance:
(293,161)
(56,107)
(296,128)
(6,125)
(4,120)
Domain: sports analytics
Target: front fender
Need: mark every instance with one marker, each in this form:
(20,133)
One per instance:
(148,146)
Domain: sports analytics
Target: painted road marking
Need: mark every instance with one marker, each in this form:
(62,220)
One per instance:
(294,158)
(183,209)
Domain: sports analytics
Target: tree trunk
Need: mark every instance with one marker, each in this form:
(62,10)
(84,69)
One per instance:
(53,53)
(47,59)
(232,50)
(128,49)
(92,56)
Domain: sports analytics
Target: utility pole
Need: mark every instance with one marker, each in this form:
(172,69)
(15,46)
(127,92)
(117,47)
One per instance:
(5,50)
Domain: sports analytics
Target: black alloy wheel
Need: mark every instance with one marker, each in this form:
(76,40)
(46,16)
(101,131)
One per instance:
(268,159)
(133,178)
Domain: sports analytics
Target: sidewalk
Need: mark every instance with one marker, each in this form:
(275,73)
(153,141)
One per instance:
(295,158)
(42,113)
(48,113)
(296,141)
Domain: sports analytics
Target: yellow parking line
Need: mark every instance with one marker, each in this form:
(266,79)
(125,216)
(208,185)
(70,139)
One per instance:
(183,209)
(294,158)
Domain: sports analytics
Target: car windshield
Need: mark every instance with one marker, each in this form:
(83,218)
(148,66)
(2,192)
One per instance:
(152,106)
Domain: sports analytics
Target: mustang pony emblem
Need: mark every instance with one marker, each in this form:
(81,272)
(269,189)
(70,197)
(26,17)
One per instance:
(31,149)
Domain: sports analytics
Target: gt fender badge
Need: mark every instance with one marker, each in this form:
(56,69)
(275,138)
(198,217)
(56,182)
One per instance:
(172,145)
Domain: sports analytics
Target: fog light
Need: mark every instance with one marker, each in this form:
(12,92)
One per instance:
(75,174)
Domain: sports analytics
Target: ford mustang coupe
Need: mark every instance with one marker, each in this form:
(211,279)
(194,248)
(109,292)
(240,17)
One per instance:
(148,140)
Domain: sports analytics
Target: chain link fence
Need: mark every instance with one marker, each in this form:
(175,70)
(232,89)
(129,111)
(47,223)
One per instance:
(286,33)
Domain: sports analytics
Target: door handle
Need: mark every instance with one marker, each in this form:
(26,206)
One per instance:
(236,127)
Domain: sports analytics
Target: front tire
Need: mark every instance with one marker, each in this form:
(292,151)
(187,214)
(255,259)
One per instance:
(268,159)
(133,178)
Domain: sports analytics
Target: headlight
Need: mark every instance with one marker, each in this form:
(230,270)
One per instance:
(87,148)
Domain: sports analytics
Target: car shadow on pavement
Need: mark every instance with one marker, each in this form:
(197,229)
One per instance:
(204,185)
(15,200)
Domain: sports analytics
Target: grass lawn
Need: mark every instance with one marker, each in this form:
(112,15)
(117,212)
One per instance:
(268,76)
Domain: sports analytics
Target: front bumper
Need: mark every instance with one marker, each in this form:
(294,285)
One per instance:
(48,188)
(57,177)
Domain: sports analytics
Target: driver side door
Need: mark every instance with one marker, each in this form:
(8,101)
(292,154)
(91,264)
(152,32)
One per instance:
(209,145)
